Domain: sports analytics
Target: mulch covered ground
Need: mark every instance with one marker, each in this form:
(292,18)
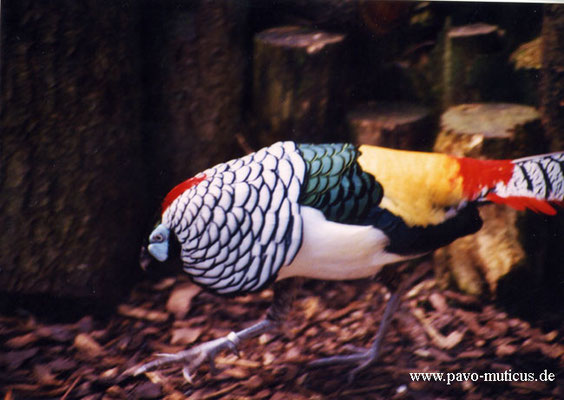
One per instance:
(434,331)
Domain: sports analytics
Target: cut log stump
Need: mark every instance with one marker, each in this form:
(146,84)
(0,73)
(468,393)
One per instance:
(296,85)
(552,111)
(490,130)
(471,60)
(526,62)
(397,125)
(552,81)
(73,188)
(476,263)
(197,91)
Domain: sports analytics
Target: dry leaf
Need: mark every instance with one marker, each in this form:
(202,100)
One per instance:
(43,374)
(505,350)
(441,341)
(21,341)
(109,374)
(550,336)
(477,353)
(220,393)
(180,299)
(185,335)
(62,364)
(254,382)
(13,359)
(438,302)
(57,333)
(142,313)
(175,396)
(236,373)
(263,394)
(116,392)
(310,307)
(164,284)
(147,390)
(85,344)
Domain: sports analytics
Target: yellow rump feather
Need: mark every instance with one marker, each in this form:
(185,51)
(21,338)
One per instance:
(418,186)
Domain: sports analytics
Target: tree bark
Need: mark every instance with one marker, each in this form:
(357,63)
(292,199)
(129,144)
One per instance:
(397,125)
(197,81)
(526,61)
(552,111)
(296,85)
(471,59)
(552,79)
(72,185)
(478,262)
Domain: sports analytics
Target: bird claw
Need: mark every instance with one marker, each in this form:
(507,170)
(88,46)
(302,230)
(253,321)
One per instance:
(194,357)
(186,374)
(362,358)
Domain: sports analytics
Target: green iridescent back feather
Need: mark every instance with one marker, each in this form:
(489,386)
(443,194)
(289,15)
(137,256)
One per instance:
(336,184)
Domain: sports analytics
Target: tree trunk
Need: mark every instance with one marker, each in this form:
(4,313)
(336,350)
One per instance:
(397,125)
(296,85)
(478,262)
(471,63)
(197,83)
(552,111)
(72,186)
(526,62)
(552,75)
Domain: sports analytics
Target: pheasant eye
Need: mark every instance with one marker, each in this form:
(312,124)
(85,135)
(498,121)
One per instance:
(158,237)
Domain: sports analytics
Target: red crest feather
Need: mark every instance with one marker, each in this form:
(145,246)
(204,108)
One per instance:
(179,189)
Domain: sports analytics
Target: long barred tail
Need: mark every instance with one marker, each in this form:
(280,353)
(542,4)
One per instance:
(535,182)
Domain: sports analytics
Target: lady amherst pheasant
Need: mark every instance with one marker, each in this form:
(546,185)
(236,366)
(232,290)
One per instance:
(331,211)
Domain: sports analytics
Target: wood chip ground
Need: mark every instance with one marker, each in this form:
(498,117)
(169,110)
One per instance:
(433,331)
